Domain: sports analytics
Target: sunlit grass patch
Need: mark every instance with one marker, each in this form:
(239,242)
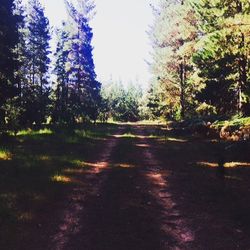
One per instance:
(124,165)
(129,135)
(61,178)
(173,139)
(207,164)
(154,136)
(237,164)
(30,132)
(143,145)
(78,163)
(226,165)
(5,154)
(82,164)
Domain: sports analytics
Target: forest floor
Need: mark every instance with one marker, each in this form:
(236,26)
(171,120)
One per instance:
(117,187)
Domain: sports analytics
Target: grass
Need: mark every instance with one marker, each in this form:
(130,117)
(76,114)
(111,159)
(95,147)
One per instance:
(31,132)
(234,122)
(5,154)
(33,176)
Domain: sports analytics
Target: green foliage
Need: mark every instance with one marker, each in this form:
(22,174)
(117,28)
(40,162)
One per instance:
(84,90)
(200,66)
(32,53)
(172,36)
(26,98)
(200,57)
(155,102)
(206,110)
(120,103)
(60,91)
(221,57)
(235,121)
(8,64)
(12,114)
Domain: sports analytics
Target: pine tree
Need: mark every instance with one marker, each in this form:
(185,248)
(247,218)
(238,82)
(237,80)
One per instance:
(36,90)
(222,52)
(84,89)
(21,50)
(120,103)
(155,101)
(61,110)
(8,63)
(173,35)
(13,107)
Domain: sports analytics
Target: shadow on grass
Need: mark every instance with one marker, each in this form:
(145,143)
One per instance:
(33,180)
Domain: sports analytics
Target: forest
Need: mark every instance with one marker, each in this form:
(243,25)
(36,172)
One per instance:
(110,165)
(199,66)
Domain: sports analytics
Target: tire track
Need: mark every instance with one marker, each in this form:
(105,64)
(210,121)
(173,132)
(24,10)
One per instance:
(71,215)
(172,222)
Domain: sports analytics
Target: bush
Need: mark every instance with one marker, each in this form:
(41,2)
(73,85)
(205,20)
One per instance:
(205,110)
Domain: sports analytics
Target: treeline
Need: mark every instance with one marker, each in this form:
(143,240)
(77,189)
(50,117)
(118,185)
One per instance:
(120,103)
(28,95)
(200,65)
(201,58)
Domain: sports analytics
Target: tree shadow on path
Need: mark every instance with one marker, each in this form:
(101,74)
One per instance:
(124,214)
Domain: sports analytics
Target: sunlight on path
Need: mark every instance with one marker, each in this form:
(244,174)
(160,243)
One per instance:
(172,222)
(71,216)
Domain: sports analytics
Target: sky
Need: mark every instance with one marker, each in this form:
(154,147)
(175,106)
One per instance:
(121,44)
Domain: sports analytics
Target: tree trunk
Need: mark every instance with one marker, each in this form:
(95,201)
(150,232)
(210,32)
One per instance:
(242,65)
(182,88)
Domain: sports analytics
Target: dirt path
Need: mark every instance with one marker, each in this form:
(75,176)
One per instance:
(75,203)
(173,223)
(142,194)
(128,206)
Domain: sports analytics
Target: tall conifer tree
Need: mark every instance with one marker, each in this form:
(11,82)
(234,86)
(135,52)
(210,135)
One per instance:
(222,55)
(85,90)
(61,112)
(36,92)
(8,63)
(173,34)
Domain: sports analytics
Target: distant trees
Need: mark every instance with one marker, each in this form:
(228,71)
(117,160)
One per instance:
(200,57)
(156,102)
(120,103)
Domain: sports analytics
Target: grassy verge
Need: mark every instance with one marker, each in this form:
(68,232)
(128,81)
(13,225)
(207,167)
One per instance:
(235,121)
(35,174)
